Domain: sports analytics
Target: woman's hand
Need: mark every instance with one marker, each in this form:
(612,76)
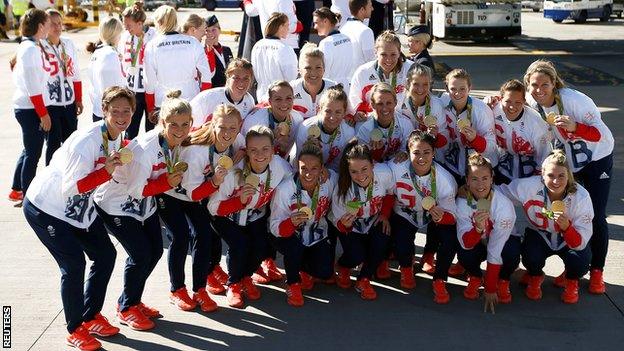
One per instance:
(46,123)
(400,157)
(480,220)
(562,220)
(247,192)
(385,224)
(347,219)
(566,123)
(470,133)
(491,299)
(174,179)
(298,218)
(436,213)
(112,162)
(219,175)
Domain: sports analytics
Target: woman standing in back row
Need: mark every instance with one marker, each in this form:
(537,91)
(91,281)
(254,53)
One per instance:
(132,48)
(30,70)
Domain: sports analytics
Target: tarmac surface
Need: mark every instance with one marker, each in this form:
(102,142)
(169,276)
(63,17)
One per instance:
(590,56)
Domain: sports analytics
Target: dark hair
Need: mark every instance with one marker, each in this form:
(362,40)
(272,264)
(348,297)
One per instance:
(326,13)
(513,85)
(420,135)
(276,20)
(277,85)
(352,151)
(356,5)
(135,12)
(117,92)
(310,148)
(29,25)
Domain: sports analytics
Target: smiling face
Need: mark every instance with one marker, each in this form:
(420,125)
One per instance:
(361,172)
(541,88)
(226,129)
(238,83)
(281,100)
(512,103)
(176,128)
(458,89)
(260,152)
(331,114)
(212,35)
(56,28)
(118,115)
(310,168)
(555,178)
(312,70)
(421,156)
(383,103)
(133,27)
(415,46)
(387,56)
(479,181)
(419,88)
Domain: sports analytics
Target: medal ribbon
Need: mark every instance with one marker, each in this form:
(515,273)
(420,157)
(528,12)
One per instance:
(134,52)
(414,108)
(315,197)
(105,138)
(168,152)
(420,189)
(382,78)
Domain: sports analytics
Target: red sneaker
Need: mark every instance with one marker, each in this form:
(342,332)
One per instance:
(456,270)
(181,299)
(534,288)
(136,320)
(250,289)
(570,294)
(148,312)
(407,278)
(471,292)
(307,282)
(596,283)
(260,277)
(383,270)
(365,289)
(344,277)
(504,295)
(440,294)
(295,297)
(221,276)
(331,280)
(560,281)
(213,285)
(100,326)
(204,301)
(82,340)
(16,195)
(271,271)
(428,263)
(234,296)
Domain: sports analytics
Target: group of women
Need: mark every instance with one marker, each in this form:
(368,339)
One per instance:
(312,164)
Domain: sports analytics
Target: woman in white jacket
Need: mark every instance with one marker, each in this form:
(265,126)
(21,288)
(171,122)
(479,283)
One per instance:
(105,63)
(271,58)
(172,62)
(30,71)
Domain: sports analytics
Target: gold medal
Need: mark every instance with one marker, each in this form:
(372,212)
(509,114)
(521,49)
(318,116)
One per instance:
(550,118)
(125,155)
(252,180)
(428,203)
(376,135)
(558,206)
(314,132)
(180,166)
(307,211)
(283,129)
(430,121)
(463,123)
(483,205)
(225,162)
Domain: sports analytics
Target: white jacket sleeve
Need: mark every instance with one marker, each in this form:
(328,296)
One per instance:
(110,73)
(289,63)
(367,41)
(280,206)
(33,67)
(504,220)
(150,69)
(202,63)
(79,165)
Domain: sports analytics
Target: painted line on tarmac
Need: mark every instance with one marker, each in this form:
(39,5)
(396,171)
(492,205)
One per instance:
(504,53)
